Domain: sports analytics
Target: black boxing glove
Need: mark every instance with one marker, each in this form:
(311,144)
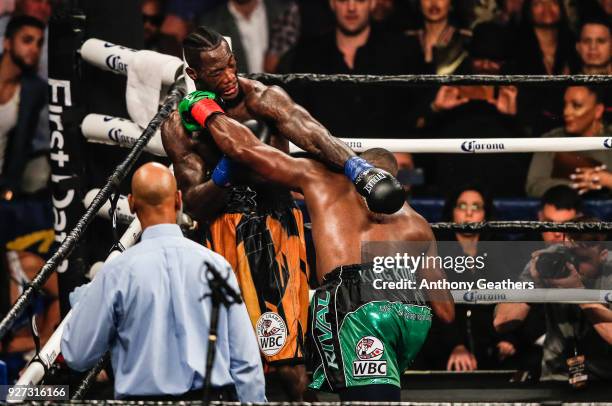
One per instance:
(383,193)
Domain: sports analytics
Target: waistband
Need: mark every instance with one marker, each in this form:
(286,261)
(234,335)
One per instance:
(246,199)
(347,270)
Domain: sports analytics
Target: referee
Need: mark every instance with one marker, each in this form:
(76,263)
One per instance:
(146,307)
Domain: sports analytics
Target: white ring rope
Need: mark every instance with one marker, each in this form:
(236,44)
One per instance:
(116,58)
(101,129)
(479,145)
(123,132)
(122,210)
(488,296)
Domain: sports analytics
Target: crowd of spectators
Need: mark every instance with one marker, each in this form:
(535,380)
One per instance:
(547,37)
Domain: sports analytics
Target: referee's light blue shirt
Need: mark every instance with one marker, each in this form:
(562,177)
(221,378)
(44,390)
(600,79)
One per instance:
(145,306)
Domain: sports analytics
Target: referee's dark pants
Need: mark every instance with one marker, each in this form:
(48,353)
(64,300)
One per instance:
(222,393)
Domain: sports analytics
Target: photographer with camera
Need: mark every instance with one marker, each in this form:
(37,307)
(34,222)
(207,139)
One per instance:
(578,336)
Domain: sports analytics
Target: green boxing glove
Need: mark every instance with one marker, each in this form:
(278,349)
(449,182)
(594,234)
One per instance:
(196,108)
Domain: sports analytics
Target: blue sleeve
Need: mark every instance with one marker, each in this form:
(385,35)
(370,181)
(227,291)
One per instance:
(245,361)
(88,333)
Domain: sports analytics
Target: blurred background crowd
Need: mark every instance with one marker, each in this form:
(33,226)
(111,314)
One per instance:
(381,37)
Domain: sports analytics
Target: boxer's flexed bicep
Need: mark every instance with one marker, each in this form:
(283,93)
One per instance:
(296,124)
(189,167)
(202,198)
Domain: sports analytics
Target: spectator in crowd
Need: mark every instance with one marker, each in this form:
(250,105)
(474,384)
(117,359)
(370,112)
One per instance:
(547,47)
(547,43)
(469,342)
(572,330)
(443,45)
(151,307)
(356,47)
(479,112)
(558,205)
(284,35)
(23,95)
(37,170)
(154,39)
(41,10)
(17,269)
(595,47)
(585,171)
(248,23)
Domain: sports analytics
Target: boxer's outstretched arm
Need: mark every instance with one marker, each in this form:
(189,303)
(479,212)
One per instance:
(298,126)
(203,199)
(241,145)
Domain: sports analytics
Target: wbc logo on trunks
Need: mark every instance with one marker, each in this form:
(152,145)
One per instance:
(271,333)
(369,352)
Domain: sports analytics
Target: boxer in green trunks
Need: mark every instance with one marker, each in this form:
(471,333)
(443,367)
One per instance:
(364,336)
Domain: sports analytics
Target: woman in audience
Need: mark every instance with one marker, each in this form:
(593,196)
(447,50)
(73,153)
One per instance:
(546,46)
(444,45)
(470,342)
(584,171)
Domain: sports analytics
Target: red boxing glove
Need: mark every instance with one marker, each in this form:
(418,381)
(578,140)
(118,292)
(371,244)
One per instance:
(205,109)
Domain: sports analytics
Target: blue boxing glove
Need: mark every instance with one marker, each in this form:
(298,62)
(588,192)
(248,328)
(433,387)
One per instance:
(222,176)
(383,193)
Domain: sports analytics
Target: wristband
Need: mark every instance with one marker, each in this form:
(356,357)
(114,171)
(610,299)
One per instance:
(356,166)
(222,176)
(204,109)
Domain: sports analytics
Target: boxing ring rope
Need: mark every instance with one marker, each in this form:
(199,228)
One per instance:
(98,128)
(118,64)
(523,226)
(455,80)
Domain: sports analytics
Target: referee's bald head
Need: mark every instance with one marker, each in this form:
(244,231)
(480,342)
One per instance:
(154,198)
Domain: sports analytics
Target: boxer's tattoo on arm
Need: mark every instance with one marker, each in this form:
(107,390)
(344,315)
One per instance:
(297,125)
(203,199)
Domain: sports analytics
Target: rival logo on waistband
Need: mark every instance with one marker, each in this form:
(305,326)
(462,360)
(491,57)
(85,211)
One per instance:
(271,333)
(608,143)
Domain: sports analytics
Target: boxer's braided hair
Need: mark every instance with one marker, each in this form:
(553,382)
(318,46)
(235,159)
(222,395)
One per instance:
(201,40)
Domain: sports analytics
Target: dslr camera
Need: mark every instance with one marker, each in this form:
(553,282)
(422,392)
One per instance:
(552,265)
